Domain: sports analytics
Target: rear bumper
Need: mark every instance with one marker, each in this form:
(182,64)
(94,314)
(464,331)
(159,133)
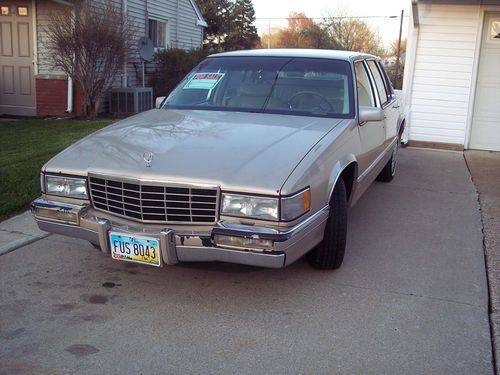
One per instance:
(185,243)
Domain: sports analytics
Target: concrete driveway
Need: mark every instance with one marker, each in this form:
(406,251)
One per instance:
(411,297)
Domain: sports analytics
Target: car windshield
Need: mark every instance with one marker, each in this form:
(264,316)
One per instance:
(298,86)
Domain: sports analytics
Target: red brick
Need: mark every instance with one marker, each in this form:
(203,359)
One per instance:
(51,97)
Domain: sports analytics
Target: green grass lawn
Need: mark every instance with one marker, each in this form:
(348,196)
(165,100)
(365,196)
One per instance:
(25,145)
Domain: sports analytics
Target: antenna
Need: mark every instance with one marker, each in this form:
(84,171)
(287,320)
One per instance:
(146,52)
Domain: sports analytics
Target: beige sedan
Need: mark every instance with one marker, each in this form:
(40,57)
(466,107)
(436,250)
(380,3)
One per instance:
(253,159)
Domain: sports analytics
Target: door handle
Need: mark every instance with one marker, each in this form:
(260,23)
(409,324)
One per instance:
(395,106)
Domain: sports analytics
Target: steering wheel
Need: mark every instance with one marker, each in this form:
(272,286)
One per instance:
(321,102)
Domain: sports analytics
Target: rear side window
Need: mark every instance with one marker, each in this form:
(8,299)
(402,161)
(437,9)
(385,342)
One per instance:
(365,96)
(379,81)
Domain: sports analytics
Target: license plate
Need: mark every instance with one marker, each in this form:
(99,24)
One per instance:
(135,248)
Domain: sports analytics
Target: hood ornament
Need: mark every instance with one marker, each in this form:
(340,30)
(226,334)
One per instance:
(148,158)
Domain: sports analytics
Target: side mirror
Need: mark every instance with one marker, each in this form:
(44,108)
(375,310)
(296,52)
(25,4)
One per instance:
(159,100)
(367,114)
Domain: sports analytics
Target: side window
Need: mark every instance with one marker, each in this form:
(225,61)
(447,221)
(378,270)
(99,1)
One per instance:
(365,95)
(379,81)
(388,85)
(158,32)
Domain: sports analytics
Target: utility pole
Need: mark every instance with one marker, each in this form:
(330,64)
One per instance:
(399,45)
(269,34)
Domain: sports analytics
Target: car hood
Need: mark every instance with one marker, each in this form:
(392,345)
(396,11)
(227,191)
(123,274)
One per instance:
(238,151)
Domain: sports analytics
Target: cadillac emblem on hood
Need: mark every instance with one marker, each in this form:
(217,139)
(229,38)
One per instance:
(148,158)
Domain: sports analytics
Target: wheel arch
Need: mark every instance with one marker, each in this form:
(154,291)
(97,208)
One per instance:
(347,168)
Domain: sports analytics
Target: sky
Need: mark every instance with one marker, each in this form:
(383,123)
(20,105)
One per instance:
(387,27)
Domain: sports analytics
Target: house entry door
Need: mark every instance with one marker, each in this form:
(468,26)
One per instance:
(17,82)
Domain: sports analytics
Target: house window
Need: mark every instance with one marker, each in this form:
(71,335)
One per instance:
(495,29)
(22,11)
(5,11)
(158,32)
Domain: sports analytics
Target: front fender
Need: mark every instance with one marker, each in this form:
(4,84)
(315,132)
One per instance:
(337,170)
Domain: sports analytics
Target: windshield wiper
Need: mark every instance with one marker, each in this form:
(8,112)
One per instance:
(266,102)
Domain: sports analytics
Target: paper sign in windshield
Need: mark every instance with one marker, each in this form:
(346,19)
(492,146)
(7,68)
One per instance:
(204,81)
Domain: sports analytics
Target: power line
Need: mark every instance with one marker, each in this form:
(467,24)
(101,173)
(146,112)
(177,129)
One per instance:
(323,18)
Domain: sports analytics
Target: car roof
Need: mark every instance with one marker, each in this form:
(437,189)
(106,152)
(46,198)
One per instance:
(291,52)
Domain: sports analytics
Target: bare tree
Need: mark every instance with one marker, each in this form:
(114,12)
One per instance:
(90,44)
(351,34)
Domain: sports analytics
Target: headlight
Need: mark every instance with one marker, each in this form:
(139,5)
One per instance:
(248,206)
(66,186)
(294,206)
(266,208)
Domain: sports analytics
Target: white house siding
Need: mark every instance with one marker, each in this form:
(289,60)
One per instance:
(443,72)
(190,34)
(183,29)
(44,9)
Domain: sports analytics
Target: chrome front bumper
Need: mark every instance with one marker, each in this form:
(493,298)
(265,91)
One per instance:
(185,243)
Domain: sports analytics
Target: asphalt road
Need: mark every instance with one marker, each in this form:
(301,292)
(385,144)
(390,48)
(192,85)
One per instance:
(411,297)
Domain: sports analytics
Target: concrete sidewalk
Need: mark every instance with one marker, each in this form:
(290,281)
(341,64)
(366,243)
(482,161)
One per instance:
(19,231)
(484,167)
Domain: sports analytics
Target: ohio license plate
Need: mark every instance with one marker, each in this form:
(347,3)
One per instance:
(135,248)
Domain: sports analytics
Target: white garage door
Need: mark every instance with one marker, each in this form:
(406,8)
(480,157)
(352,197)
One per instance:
(485,133)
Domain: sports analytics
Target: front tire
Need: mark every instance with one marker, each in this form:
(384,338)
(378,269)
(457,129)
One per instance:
(329,254)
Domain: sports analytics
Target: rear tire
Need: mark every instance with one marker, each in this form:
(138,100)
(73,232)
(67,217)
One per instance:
(329,254)
(389,171)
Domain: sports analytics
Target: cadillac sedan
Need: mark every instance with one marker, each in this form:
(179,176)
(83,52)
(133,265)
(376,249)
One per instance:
(254,159)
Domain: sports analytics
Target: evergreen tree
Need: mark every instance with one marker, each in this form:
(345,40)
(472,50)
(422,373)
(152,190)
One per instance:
(217,14)
(242,31)
(230,24)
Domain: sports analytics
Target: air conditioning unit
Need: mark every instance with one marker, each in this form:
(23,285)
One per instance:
(130,99)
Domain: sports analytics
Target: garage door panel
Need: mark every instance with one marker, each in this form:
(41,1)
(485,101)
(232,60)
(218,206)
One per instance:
(485,132)
(487,100)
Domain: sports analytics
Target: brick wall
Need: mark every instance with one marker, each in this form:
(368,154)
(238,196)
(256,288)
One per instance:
(51,96)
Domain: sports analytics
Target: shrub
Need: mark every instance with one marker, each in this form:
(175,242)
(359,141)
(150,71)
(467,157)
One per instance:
(172,65)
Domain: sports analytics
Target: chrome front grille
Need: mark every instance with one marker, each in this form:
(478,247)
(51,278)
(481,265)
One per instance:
(154,203)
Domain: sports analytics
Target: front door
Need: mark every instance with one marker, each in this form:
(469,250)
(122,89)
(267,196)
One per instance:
(17,83)
(485,132)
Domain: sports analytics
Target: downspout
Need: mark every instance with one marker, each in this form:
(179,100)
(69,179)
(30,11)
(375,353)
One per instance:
(411,52)
(69,107)
(125,75)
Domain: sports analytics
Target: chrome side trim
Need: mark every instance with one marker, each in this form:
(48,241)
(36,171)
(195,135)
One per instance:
(377,161)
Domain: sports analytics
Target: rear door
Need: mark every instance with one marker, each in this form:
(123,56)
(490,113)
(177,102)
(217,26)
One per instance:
(372,133)
(387,99)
